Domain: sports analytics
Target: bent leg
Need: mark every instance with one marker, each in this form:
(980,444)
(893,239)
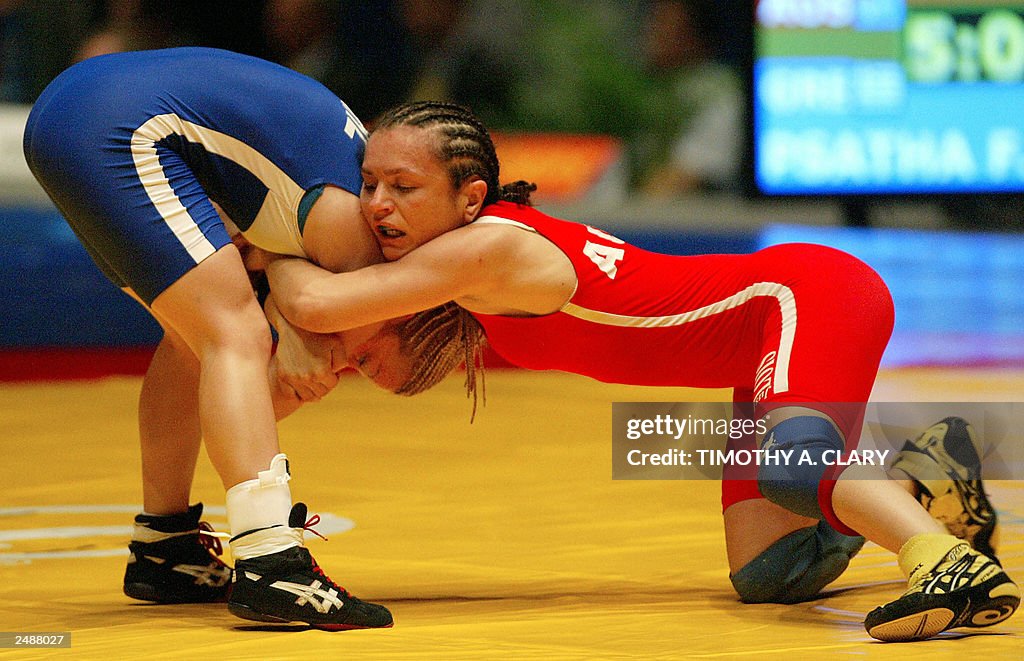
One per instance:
(863,499)
(800,445)
(213,309)
(776,556)
(169,430)
(880,509)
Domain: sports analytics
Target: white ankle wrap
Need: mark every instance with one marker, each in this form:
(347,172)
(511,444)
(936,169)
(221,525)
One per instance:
(265,542)
(264,502)
(147,535)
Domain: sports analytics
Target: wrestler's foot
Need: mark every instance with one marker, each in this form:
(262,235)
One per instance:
(172,560)
(944,462)
(965,589)
(288,586)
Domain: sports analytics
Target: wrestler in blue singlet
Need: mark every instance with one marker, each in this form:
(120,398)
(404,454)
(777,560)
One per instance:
(132,147)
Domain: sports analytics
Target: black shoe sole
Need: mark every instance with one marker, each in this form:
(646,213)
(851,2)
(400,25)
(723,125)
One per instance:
(921,616)
(247,613)
(147,592)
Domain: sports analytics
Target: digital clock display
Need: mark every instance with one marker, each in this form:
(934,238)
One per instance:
(869,97)
(967,46)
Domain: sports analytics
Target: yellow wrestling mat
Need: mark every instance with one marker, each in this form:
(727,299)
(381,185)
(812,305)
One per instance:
(505,539)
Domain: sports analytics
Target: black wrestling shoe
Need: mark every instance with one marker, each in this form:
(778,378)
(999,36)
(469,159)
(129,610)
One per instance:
(289,587)
(945,463)
(965,589)
(175,565)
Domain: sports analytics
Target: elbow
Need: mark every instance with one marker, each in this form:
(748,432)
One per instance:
(308,311)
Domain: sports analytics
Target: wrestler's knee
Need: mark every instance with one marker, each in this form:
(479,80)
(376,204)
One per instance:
(797,567)
(790,477)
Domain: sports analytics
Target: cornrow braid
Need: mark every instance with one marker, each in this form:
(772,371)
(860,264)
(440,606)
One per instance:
(439,340)
(466,146)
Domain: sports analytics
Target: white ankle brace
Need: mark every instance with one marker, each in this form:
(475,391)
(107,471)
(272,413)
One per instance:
(263,502)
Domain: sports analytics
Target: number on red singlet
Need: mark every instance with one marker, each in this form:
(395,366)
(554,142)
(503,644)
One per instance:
(606,257)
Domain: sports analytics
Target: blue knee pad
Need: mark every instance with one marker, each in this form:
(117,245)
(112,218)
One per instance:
(796,567)
(793,484)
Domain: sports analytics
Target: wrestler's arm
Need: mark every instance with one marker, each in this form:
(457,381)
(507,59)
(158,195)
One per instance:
(336,238)
(450,267)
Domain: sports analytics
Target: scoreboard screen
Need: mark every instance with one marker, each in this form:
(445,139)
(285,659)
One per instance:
(883,97)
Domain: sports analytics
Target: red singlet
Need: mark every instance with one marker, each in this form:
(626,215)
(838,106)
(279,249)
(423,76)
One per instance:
(795,323)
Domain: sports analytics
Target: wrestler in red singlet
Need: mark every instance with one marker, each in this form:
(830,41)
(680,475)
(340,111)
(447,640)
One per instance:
(791,324)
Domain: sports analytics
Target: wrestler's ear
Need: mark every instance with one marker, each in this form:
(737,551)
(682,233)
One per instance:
(471,198)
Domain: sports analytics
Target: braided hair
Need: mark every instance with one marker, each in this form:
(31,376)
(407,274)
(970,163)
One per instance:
(441,338)
(438,340)
(466,146)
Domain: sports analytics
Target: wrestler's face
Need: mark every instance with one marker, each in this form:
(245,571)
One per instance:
(407,196)
(380,358)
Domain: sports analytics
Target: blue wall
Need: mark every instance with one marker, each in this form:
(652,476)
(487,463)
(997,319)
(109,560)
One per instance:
(54,296)
(957,294)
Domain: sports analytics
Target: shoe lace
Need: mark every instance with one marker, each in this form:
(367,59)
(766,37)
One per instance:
(210,539)
(320,572)
(308,525)
(312,521)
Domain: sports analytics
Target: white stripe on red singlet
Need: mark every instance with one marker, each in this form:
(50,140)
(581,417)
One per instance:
(781,293)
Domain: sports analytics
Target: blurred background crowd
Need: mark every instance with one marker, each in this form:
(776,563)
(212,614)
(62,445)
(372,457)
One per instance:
(661,76)
(662,81)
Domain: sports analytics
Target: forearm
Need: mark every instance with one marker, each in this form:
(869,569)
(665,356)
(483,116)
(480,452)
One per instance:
(295,283)
(319,301)
(323,302)
(285,329)
(285,403)
(284,399)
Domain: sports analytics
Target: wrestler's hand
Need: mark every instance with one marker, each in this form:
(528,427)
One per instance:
(305,363)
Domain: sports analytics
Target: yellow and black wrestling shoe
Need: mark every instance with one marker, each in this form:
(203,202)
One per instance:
(945,464)
(962,589)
